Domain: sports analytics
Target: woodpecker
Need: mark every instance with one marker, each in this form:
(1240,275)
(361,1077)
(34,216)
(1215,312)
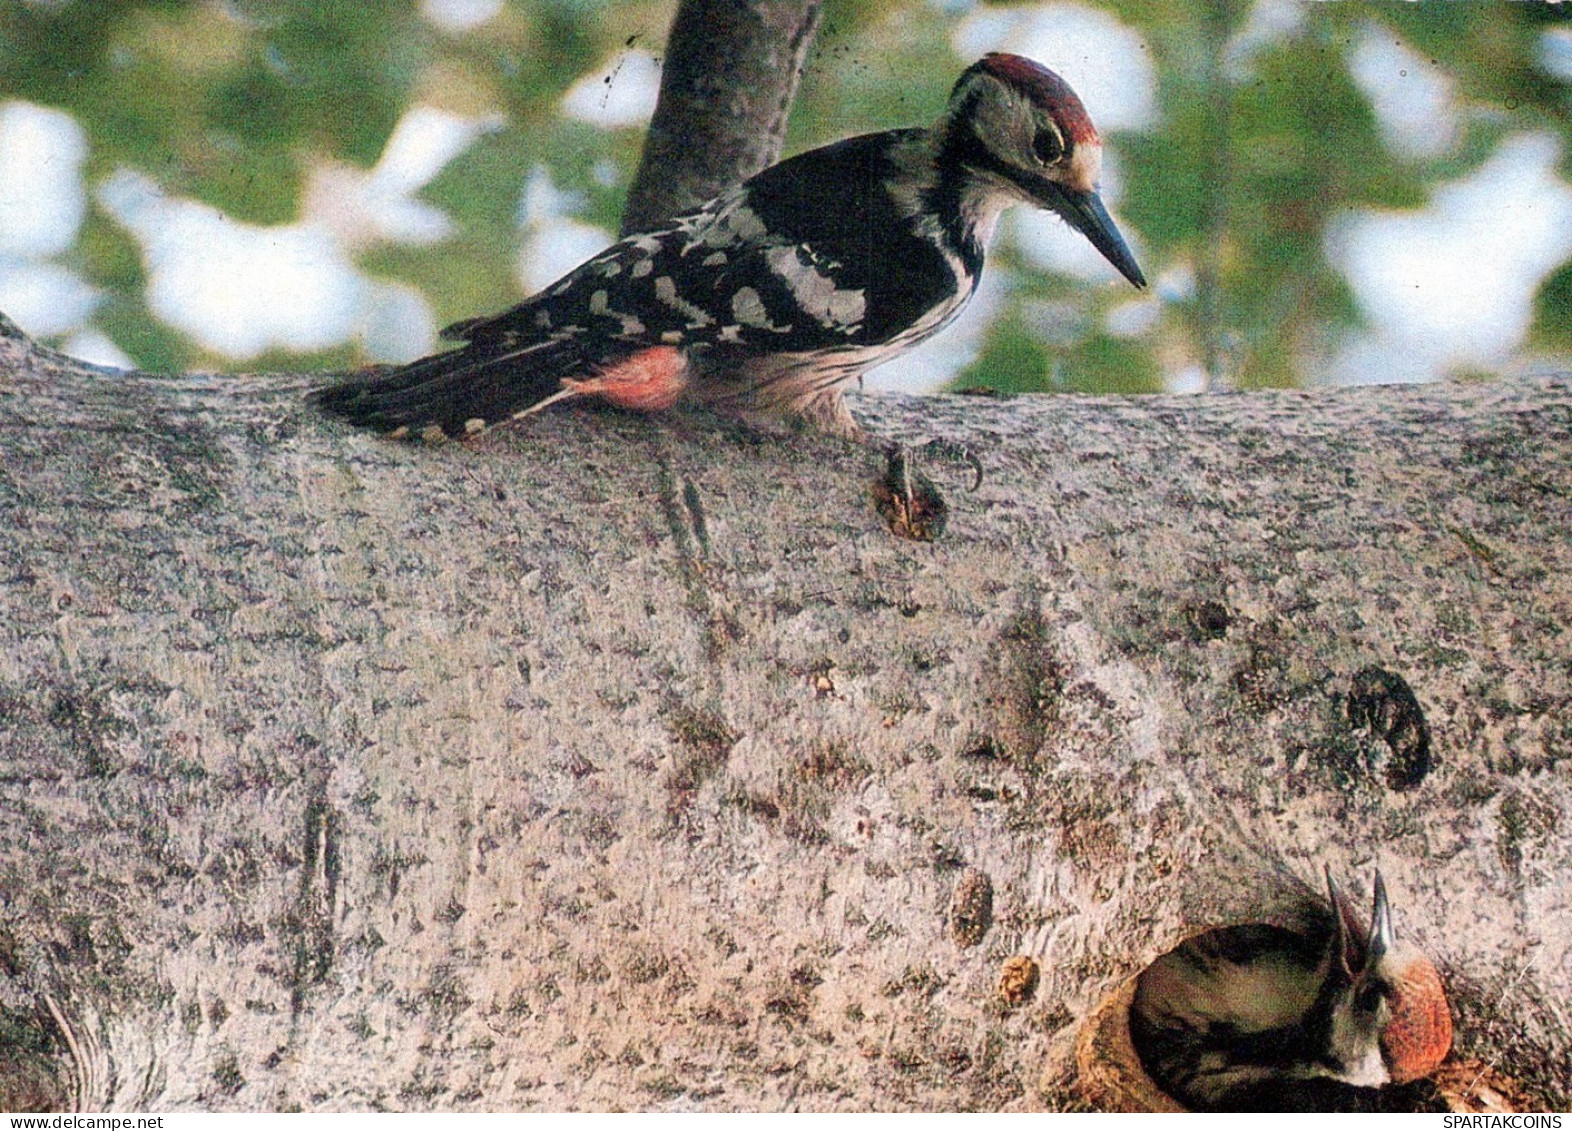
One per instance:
(779,292)
(1259,1017)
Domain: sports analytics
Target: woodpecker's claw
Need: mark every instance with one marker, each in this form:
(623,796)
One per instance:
(907,499)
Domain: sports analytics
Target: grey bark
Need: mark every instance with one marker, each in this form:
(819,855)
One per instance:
(727,81)
(620,762)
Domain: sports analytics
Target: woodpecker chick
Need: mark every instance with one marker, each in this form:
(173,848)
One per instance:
(775,295)
(1258,1017)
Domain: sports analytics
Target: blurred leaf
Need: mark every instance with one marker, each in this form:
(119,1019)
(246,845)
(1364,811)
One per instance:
(1553,313)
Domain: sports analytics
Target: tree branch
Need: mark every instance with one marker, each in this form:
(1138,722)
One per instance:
(620,762)
(727,84)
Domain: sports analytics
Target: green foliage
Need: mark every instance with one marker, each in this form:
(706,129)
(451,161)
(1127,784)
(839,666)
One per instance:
(1230,192)
(1553,313)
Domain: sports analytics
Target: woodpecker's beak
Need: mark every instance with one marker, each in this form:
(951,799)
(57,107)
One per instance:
(1084,212)
(1380,922)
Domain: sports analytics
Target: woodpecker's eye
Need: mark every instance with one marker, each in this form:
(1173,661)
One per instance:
(1048,145)
(1368,1000)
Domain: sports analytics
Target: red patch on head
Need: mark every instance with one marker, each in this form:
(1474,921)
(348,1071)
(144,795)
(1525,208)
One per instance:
(1419,1035)
(1045,88)
(649,381)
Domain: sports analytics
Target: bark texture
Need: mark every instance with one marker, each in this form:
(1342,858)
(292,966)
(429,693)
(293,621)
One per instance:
(727,83)
(615,762)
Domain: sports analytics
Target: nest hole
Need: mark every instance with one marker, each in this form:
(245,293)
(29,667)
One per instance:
(1112,1076)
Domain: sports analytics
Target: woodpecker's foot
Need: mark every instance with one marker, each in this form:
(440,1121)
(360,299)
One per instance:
(907,500)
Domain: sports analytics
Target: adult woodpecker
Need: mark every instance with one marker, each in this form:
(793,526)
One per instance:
(1256,1017)
(779,292)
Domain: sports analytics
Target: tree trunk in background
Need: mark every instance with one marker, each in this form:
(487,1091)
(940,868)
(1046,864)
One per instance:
(727,82)
(619,762)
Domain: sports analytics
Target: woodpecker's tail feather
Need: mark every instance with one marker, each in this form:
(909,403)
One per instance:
(457,393)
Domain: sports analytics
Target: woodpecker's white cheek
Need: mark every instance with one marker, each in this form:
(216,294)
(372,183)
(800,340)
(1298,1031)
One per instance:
(1085,168)
(1369,1072)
